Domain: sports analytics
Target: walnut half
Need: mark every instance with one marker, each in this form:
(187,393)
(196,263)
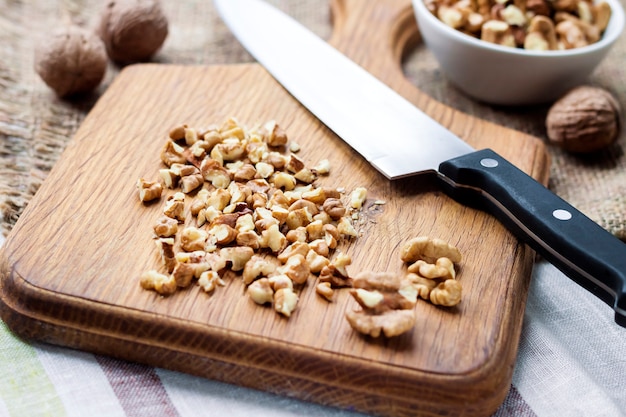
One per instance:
(387,302)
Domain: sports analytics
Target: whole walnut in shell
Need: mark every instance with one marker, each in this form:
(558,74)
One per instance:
(586,119)
(133,30)
(72,61)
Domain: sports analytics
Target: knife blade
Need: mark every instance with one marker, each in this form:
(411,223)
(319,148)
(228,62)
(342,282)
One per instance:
(341,94)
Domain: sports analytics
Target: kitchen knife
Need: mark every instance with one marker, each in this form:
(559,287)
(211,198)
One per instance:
(399,140)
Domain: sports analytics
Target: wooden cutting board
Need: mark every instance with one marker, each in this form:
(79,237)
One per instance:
(70,268)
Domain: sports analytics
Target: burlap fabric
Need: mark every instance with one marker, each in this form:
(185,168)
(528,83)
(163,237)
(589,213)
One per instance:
(35,126)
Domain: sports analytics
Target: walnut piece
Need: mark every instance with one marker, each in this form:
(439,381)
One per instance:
(260,291)
(149,190)
(324,290)
(442,268)
(433,278)
(209,280)
(165,227)
(585,119)
(166,251)
(428,249)
(447,293)
(285,301)
(162,284)
(387,302)
(377,292)
(391,323)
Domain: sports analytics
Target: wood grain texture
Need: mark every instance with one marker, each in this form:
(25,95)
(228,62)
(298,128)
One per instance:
(70,267)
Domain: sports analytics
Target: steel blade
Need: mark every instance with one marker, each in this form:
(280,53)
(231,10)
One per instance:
(392,134)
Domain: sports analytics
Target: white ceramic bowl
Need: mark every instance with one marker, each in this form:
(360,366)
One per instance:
(508,76)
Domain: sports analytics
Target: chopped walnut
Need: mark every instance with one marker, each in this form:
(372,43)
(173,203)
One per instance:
(170,178)
(298,234)
(294,164)
(432,274)
(190,183)
(304,204)
(263,169)
(298,218)
(178,132)
(213,172)
(423,286)
(258,196)
(380,291)
(442,268)
(175,207)
(334,207)
(305,175)
(387,302)
(166,251)
(165,227)
(275,136)
(325,290)
(209,280)
(246,172)
(296,248)
(285,301)
(320,247)
(248,238)
(331,235)
(199,202)
(296,268)
(283,180)
(257,267)
(357,198)
(260,291)
(315,230)
(172,154)
(294,147)
(162,284)
(330,273)
(429,250)
(245,223)
(183,274)
(280,213)
(447,293)
(391,323)
(317,263)
(280,281)
(223,233)
(192,239)
(237,256)
(149,190)
(273,239)
(322,167)
(346,228)
(191,135)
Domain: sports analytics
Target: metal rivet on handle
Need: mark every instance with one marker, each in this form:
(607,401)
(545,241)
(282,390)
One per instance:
(489,162)
(562,214)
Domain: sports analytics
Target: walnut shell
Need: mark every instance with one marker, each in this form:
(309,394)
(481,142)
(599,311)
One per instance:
(133,30)
(71,61)
(585,119)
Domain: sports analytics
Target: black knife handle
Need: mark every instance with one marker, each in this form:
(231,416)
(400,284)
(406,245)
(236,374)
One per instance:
(572,242)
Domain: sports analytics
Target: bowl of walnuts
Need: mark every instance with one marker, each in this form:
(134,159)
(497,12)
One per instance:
(518,52)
